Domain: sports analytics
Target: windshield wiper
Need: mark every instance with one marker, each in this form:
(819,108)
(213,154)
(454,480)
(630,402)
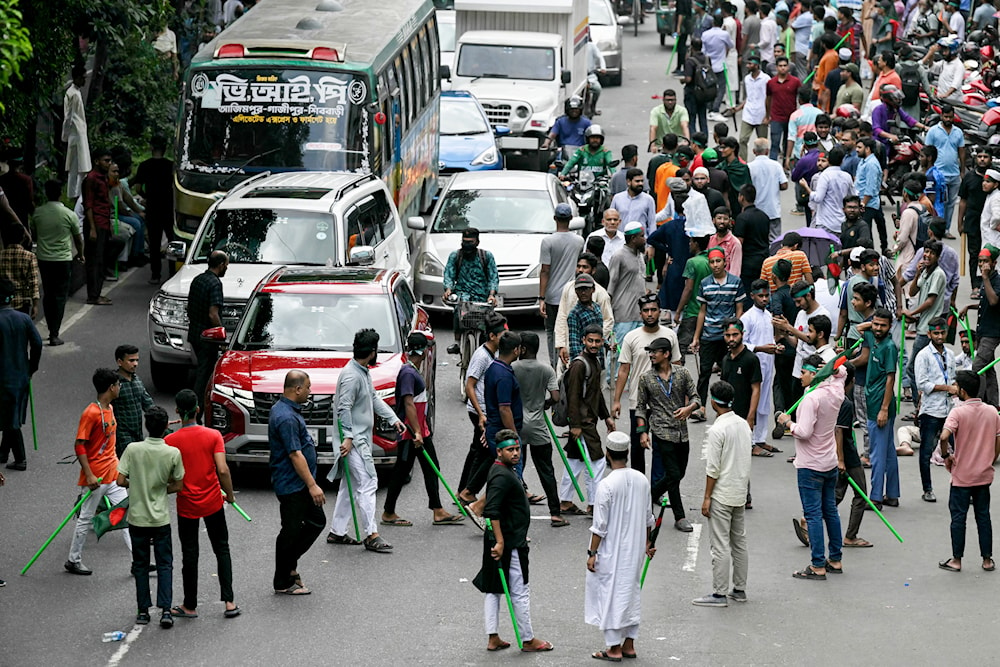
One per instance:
(239,170)
(490,75)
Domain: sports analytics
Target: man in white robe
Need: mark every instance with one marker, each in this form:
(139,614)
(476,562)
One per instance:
(74,133)
(619,542)
(758,336)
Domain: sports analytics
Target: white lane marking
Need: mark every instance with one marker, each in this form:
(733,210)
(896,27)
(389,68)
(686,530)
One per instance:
(692,549)
(86,307)
(125,645)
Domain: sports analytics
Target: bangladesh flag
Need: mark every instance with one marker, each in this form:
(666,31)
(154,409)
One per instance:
(110,518)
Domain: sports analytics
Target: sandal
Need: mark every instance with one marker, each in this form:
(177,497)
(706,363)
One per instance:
(294,589)
(992,566)
(770,448)
(945,565)
(378,545)
(603,655)
(535,500)
(760,452)
(544,646)
(801,533)
(180,613)
(808,573)
(395,522)
(860,544)
(450,520)
(558,523)
(499,647)
(333,538)
(573,509)
(834,570)
(232,613)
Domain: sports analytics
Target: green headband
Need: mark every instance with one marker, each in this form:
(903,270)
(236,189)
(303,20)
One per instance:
(911,192)
(510,442)
(725,404)
(803,292)
(810,368)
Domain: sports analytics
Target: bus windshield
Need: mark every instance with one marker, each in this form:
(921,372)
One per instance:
(255,118)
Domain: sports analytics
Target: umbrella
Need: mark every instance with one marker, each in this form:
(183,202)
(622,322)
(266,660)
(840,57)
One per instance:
(815,244)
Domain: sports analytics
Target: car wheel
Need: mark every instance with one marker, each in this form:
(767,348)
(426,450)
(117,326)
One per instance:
(169,378)
(615,79)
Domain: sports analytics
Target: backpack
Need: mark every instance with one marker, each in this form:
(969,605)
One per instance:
(560,411)
(909,75)
(706,84)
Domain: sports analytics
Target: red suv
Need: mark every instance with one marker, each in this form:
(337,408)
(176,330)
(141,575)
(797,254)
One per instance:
(305,319)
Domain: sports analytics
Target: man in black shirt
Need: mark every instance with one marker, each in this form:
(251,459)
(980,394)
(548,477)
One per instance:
(783,305)
(855,231)
(741,368)
(701,181)
(988,329)
(155,181)
(970,205)
(506,546)
(752,228)
(203,310)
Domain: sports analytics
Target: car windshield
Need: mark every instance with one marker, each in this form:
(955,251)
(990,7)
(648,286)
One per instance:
(503,211)
(246,120)
(323,322)
(507,62)
(599,14)
(270,236)
(446,35)
(460,116)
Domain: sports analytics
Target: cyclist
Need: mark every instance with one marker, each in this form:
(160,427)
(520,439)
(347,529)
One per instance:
(568,129)
(594,157)
(471,275)
(595,66)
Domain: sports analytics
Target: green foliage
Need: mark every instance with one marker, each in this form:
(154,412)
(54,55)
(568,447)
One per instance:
(15,46)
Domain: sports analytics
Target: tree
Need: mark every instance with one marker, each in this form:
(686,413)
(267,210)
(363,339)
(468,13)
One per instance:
(15,46)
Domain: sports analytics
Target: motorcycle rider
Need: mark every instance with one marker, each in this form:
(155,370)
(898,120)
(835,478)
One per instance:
(595,66)
(594,157)
(887,112)
(569,128)
(471,274)
(952,75)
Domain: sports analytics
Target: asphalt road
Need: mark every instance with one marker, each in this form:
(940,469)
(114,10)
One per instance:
(416,606)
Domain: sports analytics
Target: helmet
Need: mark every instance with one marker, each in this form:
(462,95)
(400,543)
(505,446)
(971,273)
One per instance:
(893,94)
(949,44)
(574,102)
(594,131)
(847,111)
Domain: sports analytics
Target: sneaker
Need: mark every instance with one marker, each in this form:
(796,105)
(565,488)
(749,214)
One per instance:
(166,620)
(77,568)
(711,600)
(453,348)
(929,497)
(737,595)
(684,526)
(2,583)
(55,341)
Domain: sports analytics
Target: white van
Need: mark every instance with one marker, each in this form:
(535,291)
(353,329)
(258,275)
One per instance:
(293,219)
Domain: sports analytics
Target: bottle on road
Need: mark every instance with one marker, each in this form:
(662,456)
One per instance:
(115,636)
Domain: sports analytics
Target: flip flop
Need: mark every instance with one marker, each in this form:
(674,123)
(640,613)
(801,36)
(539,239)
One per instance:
(501,647)
(603,655)
(945,566)
(770,448)
(862,544)
(452,520)
(180,613)
(333,538)
(629,656)
(232,613)
(992,566)
(808,573)
(294,589)
(801,532)
(535,500)
(834,570)
(558,524)
(761,452)
(545,646)
(573,509)
(395,522)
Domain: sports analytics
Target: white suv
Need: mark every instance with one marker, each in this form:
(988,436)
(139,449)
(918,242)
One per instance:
(297,219)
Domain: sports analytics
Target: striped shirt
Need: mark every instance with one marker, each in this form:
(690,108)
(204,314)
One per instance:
(720,302)
(800,266)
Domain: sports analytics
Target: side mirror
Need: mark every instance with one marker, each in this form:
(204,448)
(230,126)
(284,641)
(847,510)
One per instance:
(567,76)
(362,255)
(576,224)
(615,163)
(444,73)
(416,222)
(501,130)
(214,335)
(176,251)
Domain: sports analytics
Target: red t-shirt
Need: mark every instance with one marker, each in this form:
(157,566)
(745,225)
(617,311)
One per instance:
(784,97)
(201,495)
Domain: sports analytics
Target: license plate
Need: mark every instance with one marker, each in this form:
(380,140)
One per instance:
(499,299)
(314,434)
(519,143)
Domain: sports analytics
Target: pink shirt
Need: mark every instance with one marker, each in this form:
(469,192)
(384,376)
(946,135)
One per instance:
(975,426)
(734,252)
(813,428)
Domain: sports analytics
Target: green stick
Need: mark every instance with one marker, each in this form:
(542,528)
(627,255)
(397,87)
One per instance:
(842,39)
(652,542)
(238,509)
(562,455)
(673,52)
(585,457)
(788,45)
(350,488)
(69,516)
(441,477)
(729,93)
(988,366)
(968,333)
(506,593)
(809,389)
(869,500)
(899,372)
(31,402)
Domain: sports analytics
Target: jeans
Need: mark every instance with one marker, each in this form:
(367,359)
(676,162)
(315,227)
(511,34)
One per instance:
(817,491)
(958,505)
(541,456)
(874,215)
(406,453)
(779,137)
(302,521)
(885,465)
(138,238)
(729,546)
(637,455)
(986,349)
(162,548)
(206,354)
(720,92)
(919,343)
(858,503)
(711,353)
(551,312)
(56,278)
(674,456)
(218,535)
(697,111)
(930,431)
(952,183)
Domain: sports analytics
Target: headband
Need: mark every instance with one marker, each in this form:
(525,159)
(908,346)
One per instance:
(985,252)
(738,323)
(510,442)
(911,192)
(725,404)
(716,252)
(803,292)
(761,290)
(810,368)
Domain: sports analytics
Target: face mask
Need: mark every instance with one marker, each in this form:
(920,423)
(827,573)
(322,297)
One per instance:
(468,247)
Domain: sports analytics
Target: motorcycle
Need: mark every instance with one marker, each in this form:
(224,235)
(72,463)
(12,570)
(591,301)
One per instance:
(591,194)
(903,157)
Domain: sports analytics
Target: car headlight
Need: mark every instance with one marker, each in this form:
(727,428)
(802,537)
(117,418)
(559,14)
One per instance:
(535,271)
(488,156)
(522,111)
(171,310)
(429,265)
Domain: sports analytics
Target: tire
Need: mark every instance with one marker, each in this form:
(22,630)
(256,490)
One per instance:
(168,378)
(470,339)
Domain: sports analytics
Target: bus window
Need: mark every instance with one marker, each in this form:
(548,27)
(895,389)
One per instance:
(404,105)
(432,51)
(408,78)
(420,67)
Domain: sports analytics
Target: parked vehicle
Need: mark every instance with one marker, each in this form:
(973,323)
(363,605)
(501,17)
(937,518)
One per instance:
(306,318)
(606,33)
(446,40)
(467,142)
(301,218)
(513,210)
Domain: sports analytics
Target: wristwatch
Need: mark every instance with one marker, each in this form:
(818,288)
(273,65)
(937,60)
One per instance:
(591,553)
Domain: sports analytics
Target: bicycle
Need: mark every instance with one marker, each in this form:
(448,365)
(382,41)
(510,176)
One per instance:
(472,324)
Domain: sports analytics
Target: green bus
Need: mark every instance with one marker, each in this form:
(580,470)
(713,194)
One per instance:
(316,85)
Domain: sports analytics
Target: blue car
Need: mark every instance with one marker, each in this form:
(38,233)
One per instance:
(467,143)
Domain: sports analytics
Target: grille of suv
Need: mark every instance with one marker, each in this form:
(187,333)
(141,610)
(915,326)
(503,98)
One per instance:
(318,412)
(497,114)
(511,271)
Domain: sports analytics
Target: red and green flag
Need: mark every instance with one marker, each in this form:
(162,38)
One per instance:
(110,518)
